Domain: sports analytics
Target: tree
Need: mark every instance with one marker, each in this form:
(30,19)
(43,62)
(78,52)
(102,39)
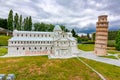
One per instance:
(3,23)
(112,35)
(16,24)
(117,41)
(93,36)
(88,35)
(20,22)
(62,27)
(26,24)
(30,24)
(73,33)
(10,21)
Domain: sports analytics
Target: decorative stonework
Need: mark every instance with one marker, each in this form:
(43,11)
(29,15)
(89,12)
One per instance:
(56,44)
(101,36)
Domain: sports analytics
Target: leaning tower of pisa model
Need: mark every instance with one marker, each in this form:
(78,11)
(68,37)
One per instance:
(101,36)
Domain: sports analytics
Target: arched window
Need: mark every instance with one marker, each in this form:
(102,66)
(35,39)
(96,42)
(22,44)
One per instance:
(29,48)
(26,35)
(46,35)
(17,48)
(35,48)
(40,47)
(23,48)
(17,35)
(46,48)
(22,35)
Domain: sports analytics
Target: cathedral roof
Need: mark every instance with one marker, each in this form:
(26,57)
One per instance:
(57,28)
(30,39)
(35,32)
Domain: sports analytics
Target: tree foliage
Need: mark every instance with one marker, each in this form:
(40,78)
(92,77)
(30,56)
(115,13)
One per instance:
(111,35)
(3,23)
(16,18)
(74,33)
(10,20)
(117,41)
(30,23)
(20,23)
(43,27)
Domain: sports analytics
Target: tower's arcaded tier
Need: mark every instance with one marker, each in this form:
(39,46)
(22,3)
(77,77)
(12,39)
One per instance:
(101,36)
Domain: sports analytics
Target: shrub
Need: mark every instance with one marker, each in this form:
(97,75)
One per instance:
(117,41)
(88,42)
(111,43)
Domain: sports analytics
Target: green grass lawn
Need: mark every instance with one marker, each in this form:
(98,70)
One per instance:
(86,47)
(110,72)
(3,51)
(113,51)
(4,40)
(112,57)
(90,47)
(42,68)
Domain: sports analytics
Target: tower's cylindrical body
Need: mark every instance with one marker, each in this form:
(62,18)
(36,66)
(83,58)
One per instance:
(101,36)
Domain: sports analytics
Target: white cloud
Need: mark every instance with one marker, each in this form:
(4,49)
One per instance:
(73,13)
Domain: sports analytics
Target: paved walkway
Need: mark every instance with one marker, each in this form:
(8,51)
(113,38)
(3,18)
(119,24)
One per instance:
(92,56)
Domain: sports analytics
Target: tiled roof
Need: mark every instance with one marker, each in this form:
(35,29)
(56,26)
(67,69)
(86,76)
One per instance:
(29,39)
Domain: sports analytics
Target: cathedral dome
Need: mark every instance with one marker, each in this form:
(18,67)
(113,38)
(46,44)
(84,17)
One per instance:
(15,30)
(57,28)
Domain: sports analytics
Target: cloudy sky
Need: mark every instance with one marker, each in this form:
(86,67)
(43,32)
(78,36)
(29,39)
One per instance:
(79,14)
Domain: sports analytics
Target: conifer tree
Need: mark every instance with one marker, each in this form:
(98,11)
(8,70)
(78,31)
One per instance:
(16,24)
(30,24)
(10,21)
(20,22)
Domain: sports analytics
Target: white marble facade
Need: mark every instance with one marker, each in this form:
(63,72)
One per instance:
(55,44)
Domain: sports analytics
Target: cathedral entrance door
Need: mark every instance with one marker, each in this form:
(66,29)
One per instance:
(63,52)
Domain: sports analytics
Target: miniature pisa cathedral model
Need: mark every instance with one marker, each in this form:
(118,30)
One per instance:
(56,44)
(101,36)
